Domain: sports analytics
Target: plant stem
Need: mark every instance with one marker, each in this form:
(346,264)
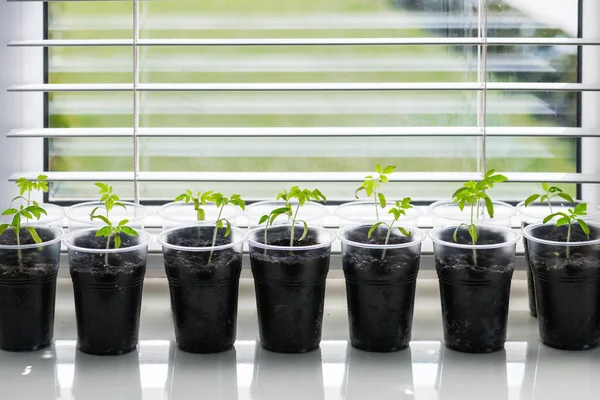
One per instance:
(19,254)
(106,254)
(387,239)
(568,238)
(376,207)
(472,238)
(214,240)
(294,225)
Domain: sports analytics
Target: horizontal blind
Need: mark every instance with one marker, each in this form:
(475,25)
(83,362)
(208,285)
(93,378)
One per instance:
(182,93)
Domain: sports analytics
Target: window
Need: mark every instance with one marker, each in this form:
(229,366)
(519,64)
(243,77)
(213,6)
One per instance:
(234,92)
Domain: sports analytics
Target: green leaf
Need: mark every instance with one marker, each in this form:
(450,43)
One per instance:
(584,226)
(358,190)
(580,209)
(34,235)
(10,211)
(545,186)
(26,214)
(129,231)
(305,232)
(117,241)
(378,169)
(200,214)
(555,189)
(563,221)
(123,222)
(389,169)
(531,199)
(373,228)
(454,236)
(567,197)
(382,201)
(3,228)
(183,197)
(473,232)
(404,231)
(102,186)
(319,195)
(105,231)
(489,173)
(489,206)
(551,216)
(102,218)
(42,177)
(263,219)
(384,178)
(228,230)
(498,178)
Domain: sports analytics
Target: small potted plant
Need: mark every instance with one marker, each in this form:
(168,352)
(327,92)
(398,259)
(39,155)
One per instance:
(381,263)
(565,260)
(312,212)
(370,211)
(54,215)
(107,266)
(533,210)
(29,260)
(290,263)
(475,264)
(203,265)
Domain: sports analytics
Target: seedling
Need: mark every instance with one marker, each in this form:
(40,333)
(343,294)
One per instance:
(397,212)
(110,200)
(199,200)
(472,194)
(372,183)
(222,201)
(29,211)
(302,196)
(568,218)
(549,193)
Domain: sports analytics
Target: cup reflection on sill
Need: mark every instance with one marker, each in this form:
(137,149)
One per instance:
(463,376)
(207,376)
(29,375)
(279,376)
(107,377)
(388,375)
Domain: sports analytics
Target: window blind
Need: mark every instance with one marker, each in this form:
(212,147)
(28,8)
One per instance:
(314,94)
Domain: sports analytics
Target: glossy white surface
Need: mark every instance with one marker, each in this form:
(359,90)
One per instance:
(525,370)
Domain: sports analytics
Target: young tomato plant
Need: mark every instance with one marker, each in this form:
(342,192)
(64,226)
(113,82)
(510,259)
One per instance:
(568,218)
(302,196)
(110,200)
(222,201)
(549,192)
(397,212)
(372,183)
(472,194)
(29,211)
(199,200)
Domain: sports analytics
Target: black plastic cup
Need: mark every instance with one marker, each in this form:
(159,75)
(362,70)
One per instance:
(290,287)
(28,289)
(567,283)
(107,285)
(280,376)
(204,286)
(381,282)
(475,285)
(535,214)
(212,375)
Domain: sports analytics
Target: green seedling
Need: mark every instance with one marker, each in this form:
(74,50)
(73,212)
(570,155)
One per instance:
(549,193)
(472,194)
(568,218)
(302,196)
(199,200)
(397,212)
(373,182)
(221,202)
(29,211)
(110,201)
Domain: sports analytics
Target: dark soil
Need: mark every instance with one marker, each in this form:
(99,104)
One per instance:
(204,296)
(33,262)
(475,293)
(567,289)
(107,296)
(380,292)
(290,292)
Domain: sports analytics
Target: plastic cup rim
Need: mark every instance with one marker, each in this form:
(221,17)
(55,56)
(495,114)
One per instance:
(145,239)
(163,243)
(527,233)
(58,238)
(161,213)
(86,221)
(342,239)
(314,204)
(432,207)
(514,240)
(522,210)
(415,212)
(332,237)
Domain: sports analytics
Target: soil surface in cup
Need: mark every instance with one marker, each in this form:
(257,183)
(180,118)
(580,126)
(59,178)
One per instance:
(567,287)
(33,263)
(363,258)
(475,292)
(204,295)
(107,296)
(290,291)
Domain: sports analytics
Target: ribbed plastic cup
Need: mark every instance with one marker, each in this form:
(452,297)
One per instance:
(475,286)
(290,287)
(535,214)
(108,297)
(446,213)
(179,213)
(204,295)
(311,212)
(28,290)
(567,286)
(363,212)
(380,287)
(79,215)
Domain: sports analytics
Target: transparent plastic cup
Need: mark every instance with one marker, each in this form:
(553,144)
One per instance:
(311,212)
(179,213)
(446,213)
(475,285)
(55,215)
(79,215)
(363,212)
(290,287)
